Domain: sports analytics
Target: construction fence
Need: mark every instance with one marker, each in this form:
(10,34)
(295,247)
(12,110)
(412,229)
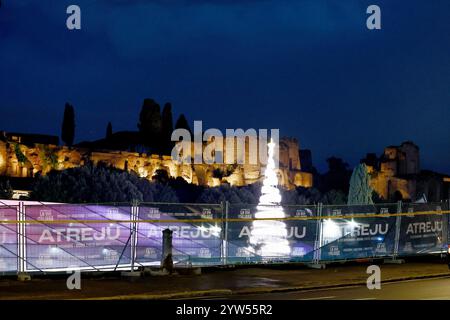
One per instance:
(50,237)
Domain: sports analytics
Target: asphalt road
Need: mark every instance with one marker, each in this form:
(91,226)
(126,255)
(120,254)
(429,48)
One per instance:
(425,289)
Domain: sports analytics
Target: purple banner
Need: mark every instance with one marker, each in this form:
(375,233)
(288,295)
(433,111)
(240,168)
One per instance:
(192,242)
(8,239)
(52,245)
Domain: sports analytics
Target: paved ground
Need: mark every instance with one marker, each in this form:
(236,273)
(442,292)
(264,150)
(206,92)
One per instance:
(425,289)
(249,280)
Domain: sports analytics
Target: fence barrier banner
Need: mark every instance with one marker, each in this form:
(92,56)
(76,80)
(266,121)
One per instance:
(192,242)
(300,234)
(52,245)
(38,237)
(8,239)
(353,238)
(422,234)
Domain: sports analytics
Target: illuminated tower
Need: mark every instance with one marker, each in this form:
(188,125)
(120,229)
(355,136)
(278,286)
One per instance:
(268,238)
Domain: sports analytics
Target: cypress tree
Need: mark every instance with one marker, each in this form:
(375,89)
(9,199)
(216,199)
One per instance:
(150,125)
(166,129)
(360,191)
(68,125)
(182,123)
(109,131)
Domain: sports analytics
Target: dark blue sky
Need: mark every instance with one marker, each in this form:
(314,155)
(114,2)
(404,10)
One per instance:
(310,68)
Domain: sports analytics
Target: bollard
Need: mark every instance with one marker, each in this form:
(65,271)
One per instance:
(166,260)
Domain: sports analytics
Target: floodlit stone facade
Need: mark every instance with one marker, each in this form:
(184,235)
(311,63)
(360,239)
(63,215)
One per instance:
(397,175)
(28,160)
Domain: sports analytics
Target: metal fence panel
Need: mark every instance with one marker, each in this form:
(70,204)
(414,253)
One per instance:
(8,240)
(53,245)
(363,236)
(301,234)
(41,237)
(422,233)
(196,243)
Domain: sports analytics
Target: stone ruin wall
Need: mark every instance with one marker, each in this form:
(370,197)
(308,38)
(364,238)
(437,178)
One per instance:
(398,163)
(18,160)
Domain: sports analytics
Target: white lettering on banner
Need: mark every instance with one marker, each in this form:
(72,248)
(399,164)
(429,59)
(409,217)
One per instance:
(245,231)
(424,227)
(371,230)
(243,252)
(185,231)
(207,214)
(79,234)
(298,251)
(204,253)
(334,251)
(150,253)
(45,215)
(245,214)
(292,232)
(153,213)
(381,248)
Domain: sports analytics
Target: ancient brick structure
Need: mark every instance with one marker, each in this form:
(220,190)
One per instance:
(27,160)
(397,175)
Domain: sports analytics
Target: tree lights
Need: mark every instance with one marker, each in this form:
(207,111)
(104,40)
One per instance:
(268,238)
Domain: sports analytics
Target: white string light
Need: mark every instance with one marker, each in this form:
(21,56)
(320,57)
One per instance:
(269,238)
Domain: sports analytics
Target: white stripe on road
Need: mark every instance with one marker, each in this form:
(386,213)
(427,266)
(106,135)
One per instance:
(318,298)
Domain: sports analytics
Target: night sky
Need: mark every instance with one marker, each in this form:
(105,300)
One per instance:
(310,68)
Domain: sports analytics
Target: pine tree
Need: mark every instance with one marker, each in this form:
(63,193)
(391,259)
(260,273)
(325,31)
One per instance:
(68,125)
(360,191)
(109,131)
(150,124)
(182,123)
(167,128)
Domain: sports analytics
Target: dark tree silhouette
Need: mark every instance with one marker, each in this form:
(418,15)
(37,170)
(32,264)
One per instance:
(6,192)
(166,129)
(182,123)
(109,130)
(150,124)
(68,125)
(337,177)
(161,176)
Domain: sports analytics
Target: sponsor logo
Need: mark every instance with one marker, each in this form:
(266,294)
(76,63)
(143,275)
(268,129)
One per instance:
(298,251)
(45,215)
(206,214)
(153,213)
(204,253)
(245,214)
(334,251)
(150,253)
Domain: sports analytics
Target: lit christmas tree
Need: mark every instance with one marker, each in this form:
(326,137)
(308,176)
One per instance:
(268,238)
